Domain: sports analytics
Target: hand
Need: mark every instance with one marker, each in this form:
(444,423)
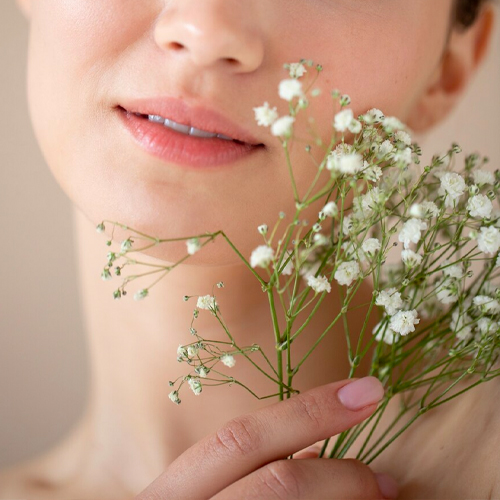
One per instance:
(246,458)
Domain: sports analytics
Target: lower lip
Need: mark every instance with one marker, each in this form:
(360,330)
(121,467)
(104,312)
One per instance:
(175,147)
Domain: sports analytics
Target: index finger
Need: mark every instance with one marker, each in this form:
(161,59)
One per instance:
(255,439)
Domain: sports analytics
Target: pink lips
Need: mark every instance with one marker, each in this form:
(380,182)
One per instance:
(176,147)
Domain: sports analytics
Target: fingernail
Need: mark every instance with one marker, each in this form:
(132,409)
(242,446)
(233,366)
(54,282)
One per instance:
(360,393)
(388,485)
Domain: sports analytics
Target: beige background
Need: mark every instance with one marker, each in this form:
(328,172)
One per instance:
(43,363)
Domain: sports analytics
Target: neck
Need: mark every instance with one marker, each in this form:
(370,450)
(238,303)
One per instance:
(133,351)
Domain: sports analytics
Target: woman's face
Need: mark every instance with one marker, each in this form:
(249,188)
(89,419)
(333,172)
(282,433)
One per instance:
(87,57)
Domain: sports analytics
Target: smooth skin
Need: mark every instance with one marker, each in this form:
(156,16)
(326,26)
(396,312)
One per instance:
(84,57)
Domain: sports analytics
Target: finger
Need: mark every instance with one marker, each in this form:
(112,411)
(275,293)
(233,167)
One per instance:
(250,441)
(310,452)
(330,479)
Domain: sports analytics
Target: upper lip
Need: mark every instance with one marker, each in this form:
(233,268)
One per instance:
(196,116)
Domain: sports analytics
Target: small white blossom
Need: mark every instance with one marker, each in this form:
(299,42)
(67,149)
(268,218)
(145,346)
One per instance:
(297,70)
(371,245)
(228,360)
(291,88)
(487,325)
(486,304)
(483,177)
(374,115)
(321,239)
(391,123)
(347,272)
(192,350)
(403,136)
(201,371)
(193,245)
(386,148)
(355,126)
(206,302)
(461,325)
(403,156)
(383,332)
(390,299)
(282,127)
(453,186)
(447,292)
(288,269)
(430,209)
(372,173)
(347,223)
(488,240)
(368,203)
(262,256)
(411,231)
(319,284)
(262,229)
(265,116)
(330,209)
(403,322)
(480,206)
(454,271)
(343,119)
(195,385)
(410,258)
(182,352)
(174,396)
(141,294)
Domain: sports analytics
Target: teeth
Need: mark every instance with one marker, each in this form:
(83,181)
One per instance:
(186,129)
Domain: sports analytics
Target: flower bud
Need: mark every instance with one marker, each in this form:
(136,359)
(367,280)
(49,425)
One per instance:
(262,229)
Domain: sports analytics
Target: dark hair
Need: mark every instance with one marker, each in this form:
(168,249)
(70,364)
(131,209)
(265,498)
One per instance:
(465,12)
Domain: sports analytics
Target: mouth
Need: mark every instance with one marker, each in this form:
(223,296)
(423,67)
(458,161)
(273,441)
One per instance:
(184,144)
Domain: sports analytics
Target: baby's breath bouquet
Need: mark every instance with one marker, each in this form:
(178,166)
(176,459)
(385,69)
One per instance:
(438,319)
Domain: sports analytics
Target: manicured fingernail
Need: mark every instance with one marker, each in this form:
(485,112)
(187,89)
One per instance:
(360,393)
(388,485)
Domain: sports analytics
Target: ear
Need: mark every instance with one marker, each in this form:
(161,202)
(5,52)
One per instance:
(463,55)
(25,7)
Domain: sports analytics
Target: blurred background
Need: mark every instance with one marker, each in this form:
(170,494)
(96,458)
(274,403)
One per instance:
(43,354)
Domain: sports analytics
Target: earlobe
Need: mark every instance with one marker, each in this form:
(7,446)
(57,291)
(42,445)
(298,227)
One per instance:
(462,57)
(25,7)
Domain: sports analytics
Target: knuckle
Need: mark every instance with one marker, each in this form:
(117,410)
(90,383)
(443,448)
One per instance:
(239,436)
(310,406)
(366,479)
(281,480)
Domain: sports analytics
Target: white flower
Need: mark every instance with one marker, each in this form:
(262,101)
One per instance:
(410,258)
(174,396)
(461,325)
(355,126)
(347,223)
(262,229)
(455,271)
(392,123)
(262,256)
(488,240)
(195,385)
(371,245)
(386,148)
(182,352)
(265,116)
(453,185)
(487,325)
(297,70)
(330,209)
(141,294)
(343,119)
(390,299)
(282,127)
(483,177)
(319,284)
(321,239)
(350,163)
(192,350)
(206,302)
(374,115)
(228,360)
(201,371)
(347,272)
(486,304)
(372,173)
(368,203)
(403,136)
(430,209)
(385,333)
(403,322)
(480,206)
(447,291)
(411,231)
(193,245)
(288,89)
(403,156)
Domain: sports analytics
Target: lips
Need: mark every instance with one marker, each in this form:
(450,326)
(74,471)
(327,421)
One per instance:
(199,117)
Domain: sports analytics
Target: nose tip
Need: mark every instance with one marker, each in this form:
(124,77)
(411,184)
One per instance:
(211,32)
